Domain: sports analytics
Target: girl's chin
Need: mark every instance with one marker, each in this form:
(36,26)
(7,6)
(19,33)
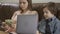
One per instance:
(23,8)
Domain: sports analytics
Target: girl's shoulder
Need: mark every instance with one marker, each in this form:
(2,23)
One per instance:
(34,12)
(17,11)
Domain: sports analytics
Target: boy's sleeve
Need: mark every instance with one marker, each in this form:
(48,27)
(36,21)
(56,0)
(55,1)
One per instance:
(57,28)
(40,25)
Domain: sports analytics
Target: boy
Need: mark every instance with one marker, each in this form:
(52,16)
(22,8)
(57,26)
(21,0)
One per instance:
(50,24)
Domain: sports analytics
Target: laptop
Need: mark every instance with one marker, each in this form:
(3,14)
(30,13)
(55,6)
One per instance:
(27,24)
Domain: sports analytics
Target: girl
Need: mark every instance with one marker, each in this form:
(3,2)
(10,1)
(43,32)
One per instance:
(25,9)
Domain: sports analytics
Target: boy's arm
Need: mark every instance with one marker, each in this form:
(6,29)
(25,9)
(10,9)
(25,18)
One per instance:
(57,28)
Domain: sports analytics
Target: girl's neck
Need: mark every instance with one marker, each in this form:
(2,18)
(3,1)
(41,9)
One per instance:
(25,10)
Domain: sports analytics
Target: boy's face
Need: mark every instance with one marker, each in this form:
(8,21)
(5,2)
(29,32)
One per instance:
(47,13)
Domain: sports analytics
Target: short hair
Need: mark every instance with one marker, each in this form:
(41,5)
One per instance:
(51,4)
(51,7)
(29,4)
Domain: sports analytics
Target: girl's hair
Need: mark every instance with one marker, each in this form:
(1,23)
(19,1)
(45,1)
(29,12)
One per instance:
(29,4)
(51,7)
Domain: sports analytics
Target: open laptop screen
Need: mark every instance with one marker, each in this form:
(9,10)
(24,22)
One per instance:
(27,24)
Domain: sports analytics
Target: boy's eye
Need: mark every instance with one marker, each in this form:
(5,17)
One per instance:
(45,12)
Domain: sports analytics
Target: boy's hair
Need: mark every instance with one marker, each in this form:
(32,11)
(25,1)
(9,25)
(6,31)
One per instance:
(51,7)
(51,4)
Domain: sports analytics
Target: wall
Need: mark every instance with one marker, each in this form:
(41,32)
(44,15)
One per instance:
(34,1)
(45,1)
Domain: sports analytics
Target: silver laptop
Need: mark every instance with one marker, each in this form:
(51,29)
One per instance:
(27,24)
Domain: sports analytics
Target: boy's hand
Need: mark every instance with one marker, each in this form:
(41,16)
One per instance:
(37,32)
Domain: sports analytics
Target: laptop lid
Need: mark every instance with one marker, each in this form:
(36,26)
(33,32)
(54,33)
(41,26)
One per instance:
(27,24)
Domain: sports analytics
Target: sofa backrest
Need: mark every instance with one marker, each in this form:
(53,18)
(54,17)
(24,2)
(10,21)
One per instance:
(7,10)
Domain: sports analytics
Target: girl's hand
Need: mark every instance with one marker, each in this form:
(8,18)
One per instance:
(9,30)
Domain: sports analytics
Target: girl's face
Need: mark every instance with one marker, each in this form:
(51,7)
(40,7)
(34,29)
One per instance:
(23,4)
(47,13)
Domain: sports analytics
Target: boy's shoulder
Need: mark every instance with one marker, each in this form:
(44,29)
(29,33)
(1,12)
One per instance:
(57,20)
(42,21)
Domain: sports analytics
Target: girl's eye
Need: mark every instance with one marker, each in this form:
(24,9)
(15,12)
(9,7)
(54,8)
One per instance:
(20,2)
(24,2)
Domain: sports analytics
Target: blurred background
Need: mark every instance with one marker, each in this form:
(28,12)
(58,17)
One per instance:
(8,7)
(34,1)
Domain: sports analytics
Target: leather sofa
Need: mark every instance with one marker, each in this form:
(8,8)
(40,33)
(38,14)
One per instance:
(7,10)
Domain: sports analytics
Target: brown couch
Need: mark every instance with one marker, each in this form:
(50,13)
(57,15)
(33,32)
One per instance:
(7,10)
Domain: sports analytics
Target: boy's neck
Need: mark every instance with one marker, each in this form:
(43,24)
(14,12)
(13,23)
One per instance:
(51,17)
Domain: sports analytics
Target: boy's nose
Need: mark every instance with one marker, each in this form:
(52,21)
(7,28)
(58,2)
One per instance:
(44,14)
